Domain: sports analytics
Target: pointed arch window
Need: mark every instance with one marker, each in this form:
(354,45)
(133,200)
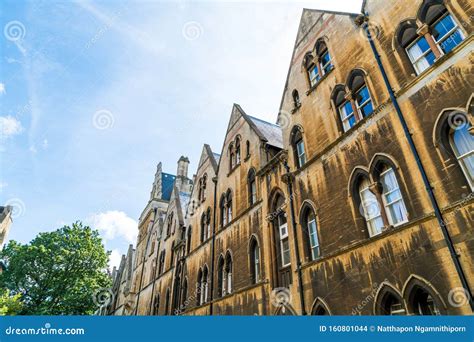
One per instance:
(169,225)
(237,151)
(223,209)
(184,294)
(324,58)
(462,143)
(311,233)
(392,197)
(252,187)
(161,267)
(297,143)
(156,305)
(231,157)
(188,240)
(228,273)
(247,146)
(296,99)
(199,288)
(205,285)
(167,302)
(381,202)
(311,69)
(255,261)
(228,205)
(360,94)
(371,208)
(220,277)
(202,188)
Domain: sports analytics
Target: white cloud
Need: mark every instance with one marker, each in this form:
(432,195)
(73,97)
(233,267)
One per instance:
(45,144)
(9,126)
(115,224)
(2,88)
(3,185)
(114,259)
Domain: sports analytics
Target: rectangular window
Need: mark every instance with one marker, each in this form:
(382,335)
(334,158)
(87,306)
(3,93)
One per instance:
(421,55)
(347,116)
(284,245)
(364,102)
(326,65)
(446,33)
(301,153)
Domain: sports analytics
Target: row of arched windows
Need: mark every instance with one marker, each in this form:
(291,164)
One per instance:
(225,206)
(202,184)
(418,298)
(425,39)
(224,275)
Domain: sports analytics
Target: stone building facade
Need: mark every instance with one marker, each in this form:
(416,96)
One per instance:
(5,223)
(360,200)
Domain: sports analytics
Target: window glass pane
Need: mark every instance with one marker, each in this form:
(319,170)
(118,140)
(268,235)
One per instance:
(464,149)
(364,102)
(443,27)
(301,154)
(393,198)
(371,209)
(362,95)
(463,140)
(451,41)
(285,252)
(326,62)
(421,55)
(313,75)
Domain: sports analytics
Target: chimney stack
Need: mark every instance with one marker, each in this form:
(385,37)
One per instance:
(183,164)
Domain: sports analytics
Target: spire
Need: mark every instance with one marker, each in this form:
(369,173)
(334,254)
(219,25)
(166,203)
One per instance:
(157,189)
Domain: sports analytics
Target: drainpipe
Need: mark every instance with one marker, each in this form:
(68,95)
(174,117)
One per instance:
(293,223)
(211,288)
(454,256)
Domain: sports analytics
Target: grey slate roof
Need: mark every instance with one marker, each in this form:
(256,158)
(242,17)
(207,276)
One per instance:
(167,181)
(217,156)
(271,132)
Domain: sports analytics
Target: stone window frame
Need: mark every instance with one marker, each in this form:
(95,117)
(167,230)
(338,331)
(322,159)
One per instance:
(372,175)
(343,94)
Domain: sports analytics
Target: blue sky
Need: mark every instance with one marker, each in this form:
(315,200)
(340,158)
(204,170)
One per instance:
(93,94)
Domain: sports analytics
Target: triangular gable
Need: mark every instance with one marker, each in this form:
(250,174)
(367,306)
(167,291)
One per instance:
(309,18)
(207,153)
(255,124)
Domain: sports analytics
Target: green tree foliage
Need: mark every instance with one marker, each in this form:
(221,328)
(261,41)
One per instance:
(57,273)
(10,305)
